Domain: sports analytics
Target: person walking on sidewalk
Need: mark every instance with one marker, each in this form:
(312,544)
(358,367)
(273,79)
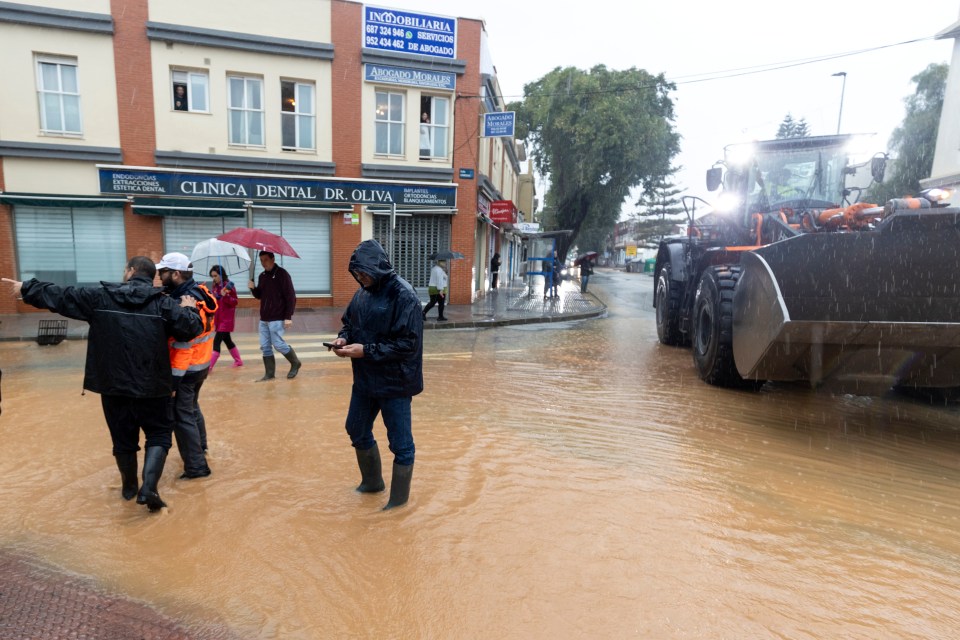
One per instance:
(494,270)
(438,289)
(586,270)
(224,320)
(278,300)
(382,334)
(127,363)
(190,364)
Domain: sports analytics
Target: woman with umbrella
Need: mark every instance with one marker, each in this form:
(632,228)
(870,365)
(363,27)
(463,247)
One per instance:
(223,320)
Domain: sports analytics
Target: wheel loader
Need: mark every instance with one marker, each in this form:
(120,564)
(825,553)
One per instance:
(791,278)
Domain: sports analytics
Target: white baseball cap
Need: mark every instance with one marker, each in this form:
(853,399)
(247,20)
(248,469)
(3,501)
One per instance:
(175,262)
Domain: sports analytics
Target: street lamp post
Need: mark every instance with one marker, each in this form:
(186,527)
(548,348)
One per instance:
(843,90)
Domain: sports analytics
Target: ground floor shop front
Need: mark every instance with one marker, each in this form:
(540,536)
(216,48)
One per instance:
(75,239)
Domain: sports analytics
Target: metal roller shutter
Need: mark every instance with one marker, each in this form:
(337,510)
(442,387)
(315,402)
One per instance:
(414,240)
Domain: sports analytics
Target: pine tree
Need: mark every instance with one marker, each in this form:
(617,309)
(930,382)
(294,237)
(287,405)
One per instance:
(786,127)
(659,210)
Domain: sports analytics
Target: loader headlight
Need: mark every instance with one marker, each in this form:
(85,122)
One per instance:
(937,195)
(726,202)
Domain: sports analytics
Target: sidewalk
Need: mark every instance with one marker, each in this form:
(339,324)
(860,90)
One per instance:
(514,303)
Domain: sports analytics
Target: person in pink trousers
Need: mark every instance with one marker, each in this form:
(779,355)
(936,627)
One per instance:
(226,294)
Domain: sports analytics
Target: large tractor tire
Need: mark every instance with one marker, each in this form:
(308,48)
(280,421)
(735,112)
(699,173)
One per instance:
(713,328)
(669,295)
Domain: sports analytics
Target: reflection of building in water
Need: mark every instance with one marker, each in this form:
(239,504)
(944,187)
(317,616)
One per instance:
(204,102)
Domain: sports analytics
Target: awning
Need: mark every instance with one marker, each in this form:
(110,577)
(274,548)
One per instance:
(412,211)
(195,208)
(203,208)
(60,200)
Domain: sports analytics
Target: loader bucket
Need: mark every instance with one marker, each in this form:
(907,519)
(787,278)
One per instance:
(867,310)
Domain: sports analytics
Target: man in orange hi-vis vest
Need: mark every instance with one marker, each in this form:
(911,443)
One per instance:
(190,363)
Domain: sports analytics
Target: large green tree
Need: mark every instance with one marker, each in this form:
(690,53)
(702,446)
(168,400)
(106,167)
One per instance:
(596,134)
(912,143)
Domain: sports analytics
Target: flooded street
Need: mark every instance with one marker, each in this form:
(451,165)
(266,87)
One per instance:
(572,480)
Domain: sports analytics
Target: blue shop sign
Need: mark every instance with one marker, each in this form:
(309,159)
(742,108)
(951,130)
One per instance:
(385,74)
(408,32)
(498,124)
(144,182)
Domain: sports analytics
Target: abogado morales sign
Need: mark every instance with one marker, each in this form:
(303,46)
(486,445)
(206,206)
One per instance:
(146,182)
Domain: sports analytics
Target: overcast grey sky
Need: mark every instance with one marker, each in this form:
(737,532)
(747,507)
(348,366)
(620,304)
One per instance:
(684,38)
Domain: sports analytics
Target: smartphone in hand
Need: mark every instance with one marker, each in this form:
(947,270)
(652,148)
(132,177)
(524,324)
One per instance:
(330,345)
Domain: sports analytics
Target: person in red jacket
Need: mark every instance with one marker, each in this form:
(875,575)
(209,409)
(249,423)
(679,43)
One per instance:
(223,322)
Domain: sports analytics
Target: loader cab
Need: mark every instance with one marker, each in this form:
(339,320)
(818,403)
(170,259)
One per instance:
(791,174)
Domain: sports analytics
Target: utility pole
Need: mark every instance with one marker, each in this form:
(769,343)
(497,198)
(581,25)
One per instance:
(843,90)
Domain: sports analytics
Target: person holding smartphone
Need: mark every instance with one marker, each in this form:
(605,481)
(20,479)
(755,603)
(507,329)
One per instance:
(382,334)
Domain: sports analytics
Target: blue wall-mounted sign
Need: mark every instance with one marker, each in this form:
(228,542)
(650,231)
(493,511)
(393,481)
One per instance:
(143,182)
(420,33)
(386,74)
(466,174)
(498,124)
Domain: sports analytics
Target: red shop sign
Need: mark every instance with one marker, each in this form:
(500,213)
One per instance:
(503,211)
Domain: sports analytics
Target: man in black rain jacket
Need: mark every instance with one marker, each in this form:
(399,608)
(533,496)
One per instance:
(128,362)
(383,335)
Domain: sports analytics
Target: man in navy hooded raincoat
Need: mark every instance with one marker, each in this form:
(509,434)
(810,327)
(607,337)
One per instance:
(383,335)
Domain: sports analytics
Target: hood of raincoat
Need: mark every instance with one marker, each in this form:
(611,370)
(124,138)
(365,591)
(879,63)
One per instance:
(133,293)
(370,258)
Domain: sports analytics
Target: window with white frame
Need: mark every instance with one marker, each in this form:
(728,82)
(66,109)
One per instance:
(189,91)
(389,124)
(298,115)
(59,93)
(434,127)
(245,104)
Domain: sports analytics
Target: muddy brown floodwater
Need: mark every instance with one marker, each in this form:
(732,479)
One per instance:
(572,481)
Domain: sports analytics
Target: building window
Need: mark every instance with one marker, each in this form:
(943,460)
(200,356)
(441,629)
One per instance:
(298,115)
(434,127)
(389,128)
(246,111)
(189,91)
(59,95)
(70,246)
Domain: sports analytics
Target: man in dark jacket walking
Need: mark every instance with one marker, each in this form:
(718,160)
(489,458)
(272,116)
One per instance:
(278,300)
(128,363)
(383,335)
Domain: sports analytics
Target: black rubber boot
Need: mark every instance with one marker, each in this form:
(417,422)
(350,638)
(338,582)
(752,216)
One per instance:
(153,461)
(270,368)
(294,361)
(127,463)
(399,485)
(372,476)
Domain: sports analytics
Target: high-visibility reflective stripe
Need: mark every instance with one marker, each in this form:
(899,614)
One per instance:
(198,340)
